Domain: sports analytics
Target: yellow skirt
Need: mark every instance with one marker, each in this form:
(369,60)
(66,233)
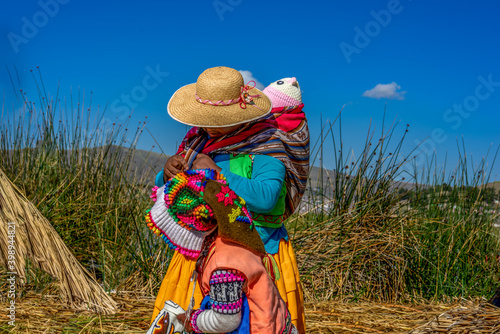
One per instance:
(289,284)
(176,285)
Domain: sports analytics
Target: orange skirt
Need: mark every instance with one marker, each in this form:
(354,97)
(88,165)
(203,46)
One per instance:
(176,285)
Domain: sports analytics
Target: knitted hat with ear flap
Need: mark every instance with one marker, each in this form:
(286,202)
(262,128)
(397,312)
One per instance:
(284,93)
(180,216)
(192,204)
(196,202)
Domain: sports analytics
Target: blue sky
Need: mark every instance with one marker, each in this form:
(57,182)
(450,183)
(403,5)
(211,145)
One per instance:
(435,64)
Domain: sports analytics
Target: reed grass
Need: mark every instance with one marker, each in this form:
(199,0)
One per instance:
(455,223)
(382,228)
(45,314)
(76,168)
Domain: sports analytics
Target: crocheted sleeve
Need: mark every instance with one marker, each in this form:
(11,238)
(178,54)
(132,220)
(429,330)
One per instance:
(226,300)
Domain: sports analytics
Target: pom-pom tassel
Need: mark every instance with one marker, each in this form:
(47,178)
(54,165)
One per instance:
(153,193)
(271,267)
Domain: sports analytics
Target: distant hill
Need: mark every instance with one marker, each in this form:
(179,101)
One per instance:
(147,162)
(495,185)
(328,175)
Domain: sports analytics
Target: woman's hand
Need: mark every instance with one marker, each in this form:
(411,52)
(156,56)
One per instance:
(187,324)
(203,161)
(174,165)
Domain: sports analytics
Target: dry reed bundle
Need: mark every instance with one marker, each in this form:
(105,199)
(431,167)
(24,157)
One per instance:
(38,241)
(466,318)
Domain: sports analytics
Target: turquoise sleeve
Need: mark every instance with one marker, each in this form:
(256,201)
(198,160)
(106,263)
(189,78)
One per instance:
(159,179)
(262,191)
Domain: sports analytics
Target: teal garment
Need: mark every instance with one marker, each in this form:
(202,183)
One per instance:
(271,237)
(159,179)
(260,192)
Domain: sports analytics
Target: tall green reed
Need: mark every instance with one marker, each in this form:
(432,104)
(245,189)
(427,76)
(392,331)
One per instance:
(458,242)
(353,247)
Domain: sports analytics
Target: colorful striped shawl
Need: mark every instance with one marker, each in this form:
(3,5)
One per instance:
(283,134)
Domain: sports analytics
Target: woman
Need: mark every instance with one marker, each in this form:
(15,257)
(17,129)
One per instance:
(231,267)
(264,156)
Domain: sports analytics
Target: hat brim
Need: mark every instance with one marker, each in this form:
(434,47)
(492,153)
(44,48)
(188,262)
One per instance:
(184,108)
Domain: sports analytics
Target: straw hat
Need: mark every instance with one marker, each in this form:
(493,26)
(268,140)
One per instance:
(219,98)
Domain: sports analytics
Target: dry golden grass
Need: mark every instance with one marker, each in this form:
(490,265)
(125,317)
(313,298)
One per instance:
(47,314)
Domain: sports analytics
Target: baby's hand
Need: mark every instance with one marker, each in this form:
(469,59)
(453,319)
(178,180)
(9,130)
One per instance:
(174,165)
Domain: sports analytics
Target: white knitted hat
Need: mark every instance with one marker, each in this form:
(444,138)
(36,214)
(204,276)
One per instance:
(284,93)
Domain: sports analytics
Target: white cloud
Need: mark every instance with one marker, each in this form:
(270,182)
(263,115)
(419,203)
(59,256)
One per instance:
(248,76)
(386,91)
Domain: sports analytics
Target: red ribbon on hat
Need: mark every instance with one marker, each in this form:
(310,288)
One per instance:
(245,95)
(244,98)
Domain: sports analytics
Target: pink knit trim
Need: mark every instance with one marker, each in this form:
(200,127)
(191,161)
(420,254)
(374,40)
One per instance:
(194,316)
(279,99)
(153,193)
(236,306)
(227,277)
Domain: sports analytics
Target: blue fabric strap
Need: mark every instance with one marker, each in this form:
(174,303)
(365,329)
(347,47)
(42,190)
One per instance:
(244,327)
